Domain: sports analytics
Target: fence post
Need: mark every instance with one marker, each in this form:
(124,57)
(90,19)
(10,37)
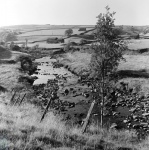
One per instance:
(46,109)
(88,116)
(16,100)
(22,99)
(11,100)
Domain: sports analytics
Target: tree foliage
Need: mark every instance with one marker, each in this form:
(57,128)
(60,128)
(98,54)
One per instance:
(108,51)
(16,48)
(11,37)
(68,32)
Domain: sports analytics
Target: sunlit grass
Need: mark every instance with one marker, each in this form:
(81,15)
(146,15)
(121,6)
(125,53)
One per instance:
(77,62)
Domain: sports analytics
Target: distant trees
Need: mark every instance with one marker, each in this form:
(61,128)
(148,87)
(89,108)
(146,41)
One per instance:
(68,32)
(107,55)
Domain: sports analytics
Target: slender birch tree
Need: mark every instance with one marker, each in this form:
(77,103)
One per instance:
(108,51)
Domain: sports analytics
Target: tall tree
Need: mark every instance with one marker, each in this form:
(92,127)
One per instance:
(106,57)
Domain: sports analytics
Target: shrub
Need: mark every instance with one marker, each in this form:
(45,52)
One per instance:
(68,32)
(16,48)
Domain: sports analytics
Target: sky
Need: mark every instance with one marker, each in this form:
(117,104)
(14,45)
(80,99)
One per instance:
(72,12)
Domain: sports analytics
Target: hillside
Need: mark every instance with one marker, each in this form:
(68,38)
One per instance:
(40,33)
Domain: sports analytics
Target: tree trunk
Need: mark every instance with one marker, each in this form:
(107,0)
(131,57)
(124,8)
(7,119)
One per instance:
(102,105)
(87,117)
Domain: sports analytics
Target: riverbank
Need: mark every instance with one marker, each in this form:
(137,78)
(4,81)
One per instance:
(10,70)
(76,62)
(133,70)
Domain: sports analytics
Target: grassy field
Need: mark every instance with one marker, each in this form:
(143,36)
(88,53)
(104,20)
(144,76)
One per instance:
(134,62)
(77,62)
(138,44)
(50,32)
(31,38)
(28,28)
(46,45)
(40,34)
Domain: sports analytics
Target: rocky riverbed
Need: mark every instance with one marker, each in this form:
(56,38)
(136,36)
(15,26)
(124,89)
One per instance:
(73,97)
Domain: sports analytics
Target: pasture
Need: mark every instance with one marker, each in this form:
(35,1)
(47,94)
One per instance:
(138,44)
(50,32)
(46,45)
(35,33)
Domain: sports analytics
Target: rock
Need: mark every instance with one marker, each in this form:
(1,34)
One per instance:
(66,91)
(29,79)
(144,124)
(132,110)
(126,121)
(113,126)
(145,114)
(2,89)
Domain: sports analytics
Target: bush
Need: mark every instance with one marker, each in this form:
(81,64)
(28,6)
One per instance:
(26,63)
(68,32)
(16,48)
(67,47)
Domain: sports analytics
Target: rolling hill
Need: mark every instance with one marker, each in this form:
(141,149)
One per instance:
(38,34)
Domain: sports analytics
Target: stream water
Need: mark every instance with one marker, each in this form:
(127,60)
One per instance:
(69,82)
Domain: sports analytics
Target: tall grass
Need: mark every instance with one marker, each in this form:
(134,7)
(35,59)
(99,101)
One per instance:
(9,74)
(20,128)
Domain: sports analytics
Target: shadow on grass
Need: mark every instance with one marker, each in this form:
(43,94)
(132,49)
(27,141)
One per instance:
(7,61)
(53,142)
(133,73)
